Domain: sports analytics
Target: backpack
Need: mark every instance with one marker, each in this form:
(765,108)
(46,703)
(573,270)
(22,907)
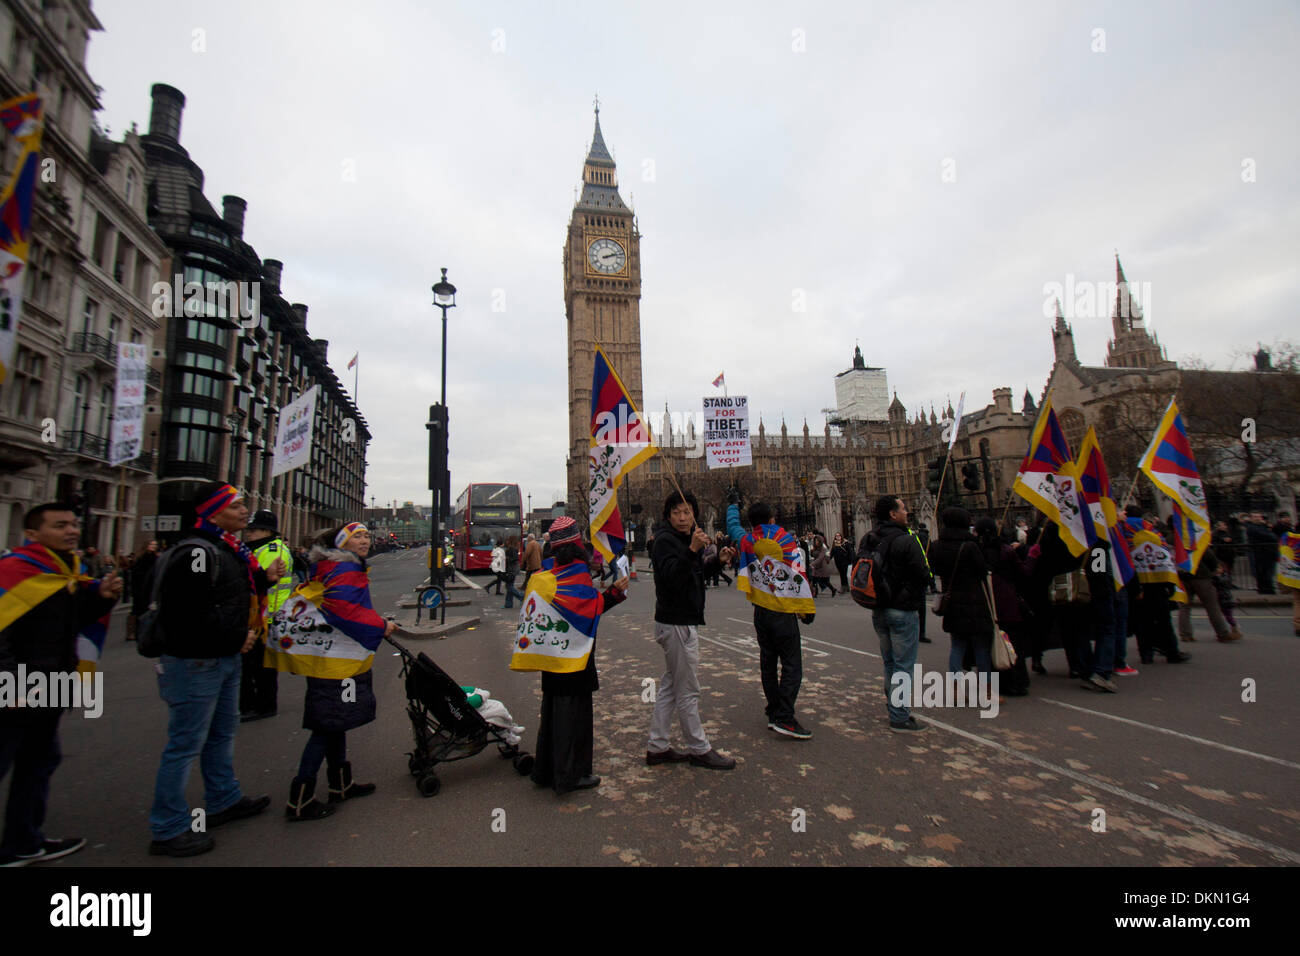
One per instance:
(150,639)
(869,583)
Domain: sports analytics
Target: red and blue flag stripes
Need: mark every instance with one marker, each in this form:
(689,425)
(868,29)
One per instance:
(346,601)
(1171,466)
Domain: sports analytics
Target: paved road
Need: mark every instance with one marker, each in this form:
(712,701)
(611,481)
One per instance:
(1184,770)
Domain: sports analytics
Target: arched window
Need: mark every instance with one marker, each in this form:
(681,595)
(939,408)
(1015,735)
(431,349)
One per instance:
(130,184)
(1074,427)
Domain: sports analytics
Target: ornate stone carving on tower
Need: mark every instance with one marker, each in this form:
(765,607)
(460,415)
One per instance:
(1133,346)
(602,301)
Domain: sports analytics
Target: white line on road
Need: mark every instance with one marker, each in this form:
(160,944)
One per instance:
(1174,733)
(730,647)
(1232,835)
(851,650)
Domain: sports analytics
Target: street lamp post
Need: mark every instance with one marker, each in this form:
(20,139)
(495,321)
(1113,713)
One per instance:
(444,298)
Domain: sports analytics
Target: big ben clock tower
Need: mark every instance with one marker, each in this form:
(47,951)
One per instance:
(602,302)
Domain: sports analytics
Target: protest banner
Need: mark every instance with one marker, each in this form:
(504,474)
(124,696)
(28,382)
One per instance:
(127,437)
(726,431)
(293,436)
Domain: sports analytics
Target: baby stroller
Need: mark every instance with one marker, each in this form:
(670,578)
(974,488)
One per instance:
(446,725)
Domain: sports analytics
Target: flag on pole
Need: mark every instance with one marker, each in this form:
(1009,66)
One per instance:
(1094,483)
(1190,541)
(1153,559)
(1049,480)
(620,441)
(1169,464)
(956,422)
(22,118)
(720,381)
(354,360)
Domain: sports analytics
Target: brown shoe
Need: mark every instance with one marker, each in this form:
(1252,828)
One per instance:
(1186,637)
(655,757)
(1233,635)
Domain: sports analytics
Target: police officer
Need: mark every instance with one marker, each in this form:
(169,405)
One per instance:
(258,685)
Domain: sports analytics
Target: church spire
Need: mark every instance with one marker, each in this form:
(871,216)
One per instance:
(599,175)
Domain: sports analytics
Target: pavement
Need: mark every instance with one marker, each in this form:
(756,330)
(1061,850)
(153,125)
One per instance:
(1188,765)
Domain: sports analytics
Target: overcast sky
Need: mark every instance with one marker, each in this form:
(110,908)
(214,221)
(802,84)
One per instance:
(911,174)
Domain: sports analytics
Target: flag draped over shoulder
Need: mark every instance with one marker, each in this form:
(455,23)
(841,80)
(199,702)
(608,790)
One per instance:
(32,573)
(22,118)
(1288,560)
(327,627)
(1170,465)
(1048,480)
(558,619)
(1094,484)
(620,441)
(1189,542)
(772,571)
(1153,559)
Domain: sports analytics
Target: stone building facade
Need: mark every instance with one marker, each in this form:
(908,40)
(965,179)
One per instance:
(237,352)
(92,262)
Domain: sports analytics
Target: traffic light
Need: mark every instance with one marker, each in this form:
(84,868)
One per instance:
(934,475)
(970,476)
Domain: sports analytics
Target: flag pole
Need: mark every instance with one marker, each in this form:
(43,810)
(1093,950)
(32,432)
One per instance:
(356,382)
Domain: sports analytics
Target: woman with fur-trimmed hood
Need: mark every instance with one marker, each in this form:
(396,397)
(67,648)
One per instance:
(329,634)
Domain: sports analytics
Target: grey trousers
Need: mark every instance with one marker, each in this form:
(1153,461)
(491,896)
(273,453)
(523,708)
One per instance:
(1203,588)
(679,690)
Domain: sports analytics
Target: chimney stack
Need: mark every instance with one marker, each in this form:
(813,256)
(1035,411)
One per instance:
(300,316)
(232,211)
(165,118)
(271,269)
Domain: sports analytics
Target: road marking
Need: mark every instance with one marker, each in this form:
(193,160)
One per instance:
(1232,835)
(1175,733)
(851,650)
(730,647)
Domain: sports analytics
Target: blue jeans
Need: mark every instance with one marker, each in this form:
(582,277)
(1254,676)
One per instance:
(512,592)
(1104,635)
(202,697)
(899,633)
(981,646)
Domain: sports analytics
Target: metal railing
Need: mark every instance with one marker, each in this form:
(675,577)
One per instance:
(96,345)
(1243,558)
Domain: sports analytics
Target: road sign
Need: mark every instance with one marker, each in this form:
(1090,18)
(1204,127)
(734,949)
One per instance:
(147,522)
(169,522)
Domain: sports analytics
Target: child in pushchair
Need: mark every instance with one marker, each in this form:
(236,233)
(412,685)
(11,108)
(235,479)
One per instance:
(449,724)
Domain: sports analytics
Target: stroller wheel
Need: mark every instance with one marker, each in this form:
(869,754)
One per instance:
(429,785)
(524,764)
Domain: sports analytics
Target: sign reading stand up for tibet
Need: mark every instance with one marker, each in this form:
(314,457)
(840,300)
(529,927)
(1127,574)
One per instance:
(293,435)
(128,403)
(726,431)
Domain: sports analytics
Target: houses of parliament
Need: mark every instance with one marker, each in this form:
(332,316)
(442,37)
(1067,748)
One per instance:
(828,478)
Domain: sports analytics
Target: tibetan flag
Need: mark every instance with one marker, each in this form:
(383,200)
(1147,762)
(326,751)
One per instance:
(1190,541)
(956,422)
(558,620)
(327,627)
(1094,484)
(1288,560)
(1169,464)
(772,571)
(620,441)
(1049,481)
(31,574)
(720,381)
(22,118)
(1153,559)
(354,360)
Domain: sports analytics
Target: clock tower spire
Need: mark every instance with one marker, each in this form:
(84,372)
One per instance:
(602,301)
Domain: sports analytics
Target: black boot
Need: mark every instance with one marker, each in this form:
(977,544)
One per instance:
(302,806)
(341,784)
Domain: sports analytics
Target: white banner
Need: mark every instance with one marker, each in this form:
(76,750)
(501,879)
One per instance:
(127,438)
(726,431)
(293,435)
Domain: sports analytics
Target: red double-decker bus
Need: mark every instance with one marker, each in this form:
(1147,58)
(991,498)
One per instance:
(486,514)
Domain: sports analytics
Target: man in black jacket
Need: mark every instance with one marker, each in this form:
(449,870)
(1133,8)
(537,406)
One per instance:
(679,610)
(897,621)
(41,639)
(210,606)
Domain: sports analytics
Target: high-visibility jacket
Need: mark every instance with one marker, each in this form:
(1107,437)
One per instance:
(266,555)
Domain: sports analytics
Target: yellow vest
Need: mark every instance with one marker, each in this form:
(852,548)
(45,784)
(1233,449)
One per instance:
(266,555)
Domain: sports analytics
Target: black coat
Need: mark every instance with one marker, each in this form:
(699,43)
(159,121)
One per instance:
(968,608)
(205,613)
(904,562)
(45,638)
(679,579)
(326,710)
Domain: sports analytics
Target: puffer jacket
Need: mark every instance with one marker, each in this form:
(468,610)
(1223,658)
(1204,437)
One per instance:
(968,608)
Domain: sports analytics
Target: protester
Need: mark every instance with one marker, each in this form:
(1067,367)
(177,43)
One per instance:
(566,734)
(341,581)
(1201,584)
(1100,664)
(141,582)
(46,599)
(842,555)
(511,572)
(1010,578)
(959,564)
(1263,548)
(259,684)
(896,618)
(532,559)
(821,566)
(1149,612)
(774,577)
(212,602)
(679,609)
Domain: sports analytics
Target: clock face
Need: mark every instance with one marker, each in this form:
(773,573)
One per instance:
(607,256)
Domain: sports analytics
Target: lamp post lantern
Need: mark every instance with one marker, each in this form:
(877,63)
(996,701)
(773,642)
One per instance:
(444,298)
